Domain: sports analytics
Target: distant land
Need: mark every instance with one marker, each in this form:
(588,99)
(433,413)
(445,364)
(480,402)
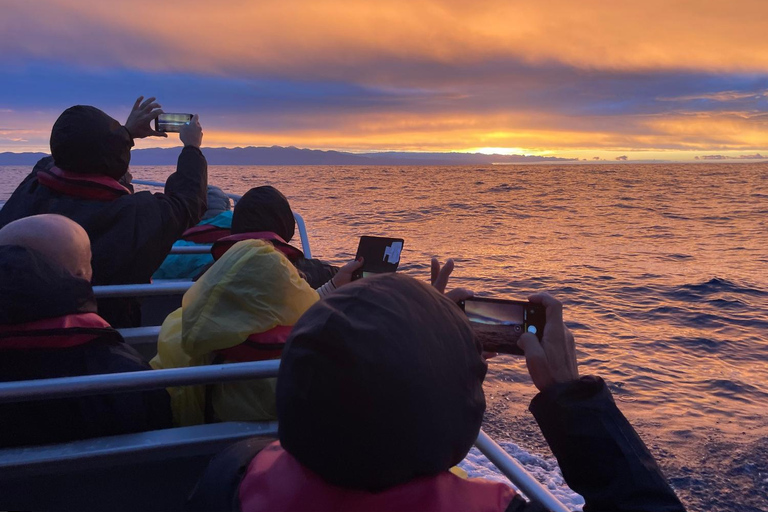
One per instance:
(278,155)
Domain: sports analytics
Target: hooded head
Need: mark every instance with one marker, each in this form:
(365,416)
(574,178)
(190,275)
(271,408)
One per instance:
(380,383)
(218,202)
(252,288)
(86,140)
(264,209)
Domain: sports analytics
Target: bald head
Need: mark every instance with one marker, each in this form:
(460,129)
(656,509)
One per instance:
(58,238)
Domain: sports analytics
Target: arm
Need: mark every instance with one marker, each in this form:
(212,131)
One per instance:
(600,454)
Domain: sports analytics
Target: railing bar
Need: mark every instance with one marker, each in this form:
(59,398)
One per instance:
(142,290)
(517,474)
(30,390)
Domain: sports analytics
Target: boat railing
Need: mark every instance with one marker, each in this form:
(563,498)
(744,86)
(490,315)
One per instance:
(302,227)
(134,445)
(141,290)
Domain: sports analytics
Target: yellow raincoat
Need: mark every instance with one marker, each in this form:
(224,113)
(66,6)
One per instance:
(251,289)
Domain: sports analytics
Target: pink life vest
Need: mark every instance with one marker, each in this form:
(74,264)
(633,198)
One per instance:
(277,482)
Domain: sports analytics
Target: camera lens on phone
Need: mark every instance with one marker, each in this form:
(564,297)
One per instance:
(532,329)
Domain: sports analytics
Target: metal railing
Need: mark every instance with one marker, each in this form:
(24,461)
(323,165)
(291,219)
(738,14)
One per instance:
(31,390)
(235,198)
(142,290)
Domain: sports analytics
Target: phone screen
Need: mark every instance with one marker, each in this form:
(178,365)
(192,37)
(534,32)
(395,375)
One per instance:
(499,323)
(380,255)
(171,122)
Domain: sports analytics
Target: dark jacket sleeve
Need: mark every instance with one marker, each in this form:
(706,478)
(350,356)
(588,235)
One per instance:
(132,241)
(600,454)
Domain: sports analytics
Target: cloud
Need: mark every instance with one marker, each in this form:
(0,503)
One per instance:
(395,75)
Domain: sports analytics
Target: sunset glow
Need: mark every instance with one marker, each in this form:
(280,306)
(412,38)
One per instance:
(605,79)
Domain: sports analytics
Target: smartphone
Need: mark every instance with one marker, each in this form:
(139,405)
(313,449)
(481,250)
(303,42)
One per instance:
(171,122)
(499,323)
(380,255)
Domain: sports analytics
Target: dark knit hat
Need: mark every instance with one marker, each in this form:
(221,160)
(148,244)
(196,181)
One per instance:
(380,383)
(86,140)
(264,209)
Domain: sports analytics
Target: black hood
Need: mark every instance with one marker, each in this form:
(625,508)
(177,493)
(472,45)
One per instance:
(86,140)
(34,288)
(379,383)
(264,209)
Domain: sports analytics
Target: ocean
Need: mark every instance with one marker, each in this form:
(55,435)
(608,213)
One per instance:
(661,269)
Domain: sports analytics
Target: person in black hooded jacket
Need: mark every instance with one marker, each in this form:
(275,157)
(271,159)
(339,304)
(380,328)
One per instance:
(49,328)
(380,392)
(264,212)
(130,233)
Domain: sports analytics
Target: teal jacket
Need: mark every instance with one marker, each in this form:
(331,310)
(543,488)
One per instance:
(188,266)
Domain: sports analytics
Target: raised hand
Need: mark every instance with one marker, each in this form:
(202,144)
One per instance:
(139,122)
(553,360)
(192,133)
(440,277)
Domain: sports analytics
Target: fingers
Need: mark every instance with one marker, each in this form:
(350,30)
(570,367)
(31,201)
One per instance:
(554,307)
(459,294)
(352,266)
(536,361)
(435,270)
(137,103)
(442,276)
(148,103)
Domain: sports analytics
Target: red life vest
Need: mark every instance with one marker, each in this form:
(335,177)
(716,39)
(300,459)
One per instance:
(275,481)
(223,245)
(260,346)
(205,234)
(86,186)
(59,332)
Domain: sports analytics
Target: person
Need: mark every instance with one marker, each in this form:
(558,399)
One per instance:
(241,309)
(49,328)
(215,224)
(130,233)
(380,392)
(264,213)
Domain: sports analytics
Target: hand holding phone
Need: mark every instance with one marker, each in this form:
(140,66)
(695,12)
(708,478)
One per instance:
(379,254)
(171,122)
(499,323)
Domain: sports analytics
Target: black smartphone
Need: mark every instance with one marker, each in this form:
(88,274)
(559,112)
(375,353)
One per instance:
(499,323)
(380,255)
(171,122)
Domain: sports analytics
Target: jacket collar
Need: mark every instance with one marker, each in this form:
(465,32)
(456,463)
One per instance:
(59,332)
(223,244)
(85,186)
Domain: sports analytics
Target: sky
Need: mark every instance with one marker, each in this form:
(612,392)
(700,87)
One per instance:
(593,79)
